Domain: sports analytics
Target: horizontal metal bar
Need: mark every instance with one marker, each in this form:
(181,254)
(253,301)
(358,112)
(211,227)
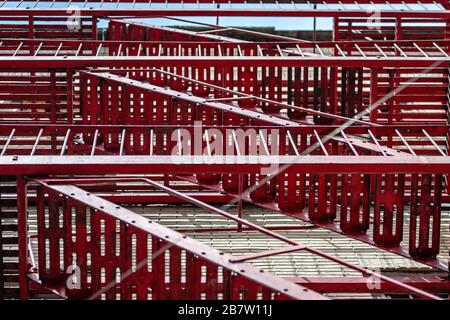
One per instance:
(225,12)
(32,165)
(441,129)
(93,44)
(183,61)
(355,285)
(268,253)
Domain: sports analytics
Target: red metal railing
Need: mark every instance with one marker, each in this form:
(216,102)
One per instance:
(121,255)
(328,199)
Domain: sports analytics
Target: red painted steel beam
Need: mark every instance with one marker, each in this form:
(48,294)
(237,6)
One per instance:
(33,128)
(90,47)
(22,232)
(33,139)
(29,139)
(357,285)
(184,61)
(42,165)
(152,197)
(434,284)
(226,12)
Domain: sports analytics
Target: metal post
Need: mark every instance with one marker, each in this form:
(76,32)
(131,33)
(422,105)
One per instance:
(23,236)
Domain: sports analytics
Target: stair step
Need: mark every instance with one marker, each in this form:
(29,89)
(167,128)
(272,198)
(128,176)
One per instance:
(11,277)
(11,293)
(9,202)
(10,253)
(10,240)
(8,188)
(9,227)
(9,214)
(10,272)
(7,178)
(10,265)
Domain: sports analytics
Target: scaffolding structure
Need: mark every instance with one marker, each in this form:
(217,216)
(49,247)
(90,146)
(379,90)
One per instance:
(100,109)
